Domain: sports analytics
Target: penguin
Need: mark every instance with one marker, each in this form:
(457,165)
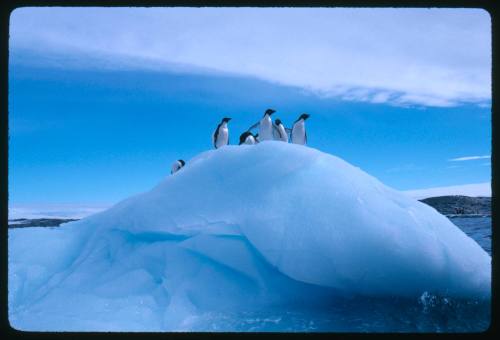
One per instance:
(265,126)
(178,164)
(298,134)
(280,132)
(248,138)
(221,134)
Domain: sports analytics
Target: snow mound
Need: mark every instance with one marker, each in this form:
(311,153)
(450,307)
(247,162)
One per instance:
(250,225)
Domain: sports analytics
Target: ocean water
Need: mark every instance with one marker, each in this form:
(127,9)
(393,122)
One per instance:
(479,228)
(428,314)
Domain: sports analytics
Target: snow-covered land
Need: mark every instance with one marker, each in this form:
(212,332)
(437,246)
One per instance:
(472,190)
(59,211)
(241,228)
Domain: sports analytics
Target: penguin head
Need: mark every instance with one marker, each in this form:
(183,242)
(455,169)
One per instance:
(277,121)
(269,112)
(304,116)
(244,136)
(225,120)
(182,162)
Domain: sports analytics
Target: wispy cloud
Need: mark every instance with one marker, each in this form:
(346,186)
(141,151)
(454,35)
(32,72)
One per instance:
(433,57)
(468,158)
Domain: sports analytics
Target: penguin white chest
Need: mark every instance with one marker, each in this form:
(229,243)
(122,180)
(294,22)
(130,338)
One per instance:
(222,136)
(250,140)
(266,128)
(299,132)
(175,167)
(282,133)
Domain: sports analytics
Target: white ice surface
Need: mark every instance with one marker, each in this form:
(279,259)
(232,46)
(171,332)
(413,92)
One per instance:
(250,226)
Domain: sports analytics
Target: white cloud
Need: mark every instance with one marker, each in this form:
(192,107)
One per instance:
(435,57)
(468,158)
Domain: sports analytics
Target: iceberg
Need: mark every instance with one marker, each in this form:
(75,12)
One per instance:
(247,227)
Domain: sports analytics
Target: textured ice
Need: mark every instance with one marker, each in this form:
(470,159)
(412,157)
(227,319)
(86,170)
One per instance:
(241,228)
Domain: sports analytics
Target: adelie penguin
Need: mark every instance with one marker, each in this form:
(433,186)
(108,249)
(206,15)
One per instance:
(280,132)
(221,134)
(299,135)
(265,126)
(248,138)
(177,165)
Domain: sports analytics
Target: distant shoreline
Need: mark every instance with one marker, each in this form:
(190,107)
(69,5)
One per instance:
(451,206)
(38,222)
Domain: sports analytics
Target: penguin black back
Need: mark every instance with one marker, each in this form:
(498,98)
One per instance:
(216,132)
(244,136)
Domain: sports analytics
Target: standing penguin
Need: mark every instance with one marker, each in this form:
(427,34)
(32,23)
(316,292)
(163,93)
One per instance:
(248,138)
(280,132)
(265,126)
(221,134)
(298,134)
(178,164)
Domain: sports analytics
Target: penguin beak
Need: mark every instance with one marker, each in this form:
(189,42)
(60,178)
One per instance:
(306,116)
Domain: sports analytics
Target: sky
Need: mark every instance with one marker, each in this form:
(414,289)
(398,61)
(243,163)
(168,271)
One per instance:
(103,100)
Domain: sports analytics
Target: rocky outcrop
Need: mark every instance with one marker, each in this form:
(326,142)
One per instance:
(460,205)
(38,222)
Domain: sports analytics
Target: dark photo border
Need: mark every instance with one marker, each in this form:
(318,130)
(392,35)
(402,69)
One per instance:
(8,6)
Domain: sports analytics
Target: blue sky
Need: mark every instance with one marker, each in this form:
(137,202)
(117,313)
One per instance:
(101,101)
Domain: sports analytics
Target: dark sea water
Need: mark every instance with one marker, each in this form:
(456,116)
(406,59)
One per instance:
(428,314)
(479,228)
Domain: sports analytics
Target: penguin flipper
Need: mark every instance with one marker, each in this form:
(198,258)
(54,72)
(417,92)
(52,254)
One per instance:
(214,136)
(275,128)
(305,138)
(253,126)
